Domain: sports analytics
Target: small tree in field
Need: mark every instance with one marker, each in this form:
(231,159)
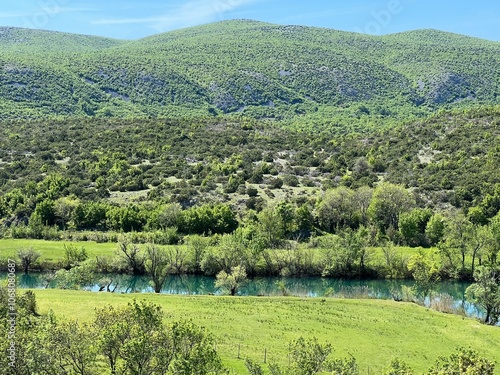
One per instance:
(465,362)
(398,367)
(231,282)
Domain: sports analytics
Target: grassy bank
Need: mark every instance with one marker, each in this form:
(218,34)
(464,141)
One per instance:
(53,251)
(372,331)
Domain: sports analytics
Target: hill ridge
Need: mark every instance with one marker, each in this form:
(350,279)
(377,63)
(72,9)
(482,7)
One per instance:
(245,67)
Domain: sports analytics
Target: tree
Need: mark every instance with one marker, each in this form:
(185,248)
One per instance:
(362,199)
(412,226)
(135,340)
(308,356)
(387,204)
(64,209)
(465,362)
(27,257)
(45,211)
(338,209)
(485,292)
(345,366)
(156,265)
(125,219)
(435,229)
(271,227)
(232,250)
(166,216)
(458,229)
(90,215)
(398,367)
(73,256)
(71,344)
(232,282)
(133,257)
(424,272)
(494,249)
(78,276)
(253,367)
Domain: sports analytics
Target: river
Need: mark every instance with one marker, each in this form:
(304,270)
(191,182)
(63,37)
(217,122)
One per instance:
(448,293)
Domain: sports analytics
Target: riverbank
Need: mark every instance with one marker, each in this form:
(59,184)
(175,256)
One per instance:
(373,331)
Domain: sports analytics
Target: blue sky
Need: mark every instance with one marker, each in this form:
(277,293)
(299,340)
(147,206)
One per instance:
(128,19)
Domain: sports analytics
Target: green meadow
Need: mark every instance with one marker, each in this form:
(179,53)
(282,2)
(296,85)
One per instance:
(53,251)
(372,331)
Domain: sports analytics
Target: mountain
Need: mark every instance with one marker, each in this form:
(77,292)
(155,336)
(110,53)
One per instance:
(291,73)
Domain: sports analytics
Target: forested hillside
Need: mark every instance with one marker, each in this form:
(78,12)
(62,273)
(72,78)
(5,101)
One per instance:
(212,176)
(306,77)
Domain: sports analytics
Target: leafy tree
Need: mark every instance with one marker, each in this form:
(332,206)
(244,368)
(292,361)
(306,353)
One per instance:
(156,264)
(271,227)
(125,219)
(389,201)
(73,256)
(27,257)
(286,214)
(90,215)
(435,229)
(209,219)
(253,367)
(412,226)
(71,345)
(485,292)
(135,340)
(64,209)
(81,275)
(166,216)
(308,356)
(398,367)
(466,361)
(458,231)
(231,282)
(338,209)
(424,272)
(45,211)
(362,199)
(346,366)
(494,248)
(231,251)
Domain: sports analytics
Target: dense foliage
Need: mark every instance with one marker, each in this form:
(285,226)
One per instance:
(429,183)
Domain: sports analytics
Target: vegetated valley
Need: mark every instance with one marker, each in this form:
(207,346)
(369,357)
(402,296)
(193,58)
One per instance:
(242,149)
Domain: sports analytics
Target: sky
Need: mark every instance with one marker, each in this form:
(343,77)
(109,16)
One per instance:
(129,19)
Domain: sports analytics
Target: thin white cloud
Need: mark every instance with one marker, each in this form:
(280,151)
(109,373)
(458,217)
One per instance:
(192,13)
(15,14)
(124,21)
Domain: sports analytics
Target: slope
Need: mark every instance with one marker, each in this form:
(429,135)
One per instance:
(302,75)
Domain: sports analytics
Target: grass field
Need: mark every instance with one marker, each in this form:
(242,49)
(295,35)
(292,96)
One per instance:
(373,331)
(54,250)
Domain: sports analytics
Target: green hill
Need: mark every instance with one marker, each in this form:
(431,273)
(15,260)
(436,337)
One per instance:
(298,74)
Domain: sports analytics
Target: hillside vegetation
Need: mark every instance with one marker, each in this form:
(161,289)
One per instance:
(303,76)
